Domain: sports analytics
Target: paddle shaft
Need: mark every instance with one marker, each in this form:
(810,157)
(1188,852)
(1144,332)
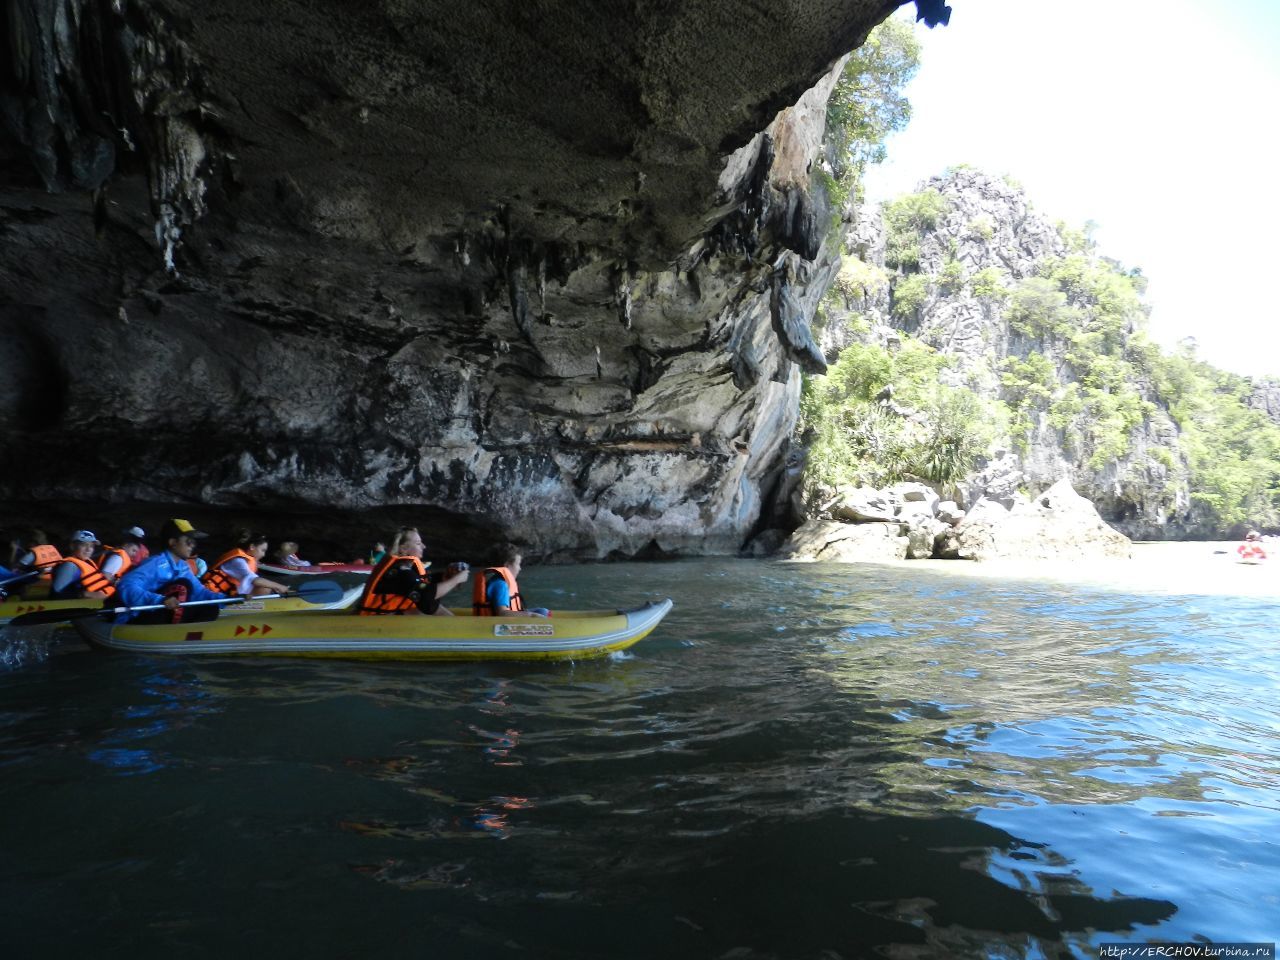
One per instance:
(320,591)
(324,591)
(189,603)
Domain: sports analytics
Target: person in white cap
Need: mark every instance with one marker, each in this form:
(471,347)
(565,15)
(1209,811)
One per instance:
(114,562)
(77,577)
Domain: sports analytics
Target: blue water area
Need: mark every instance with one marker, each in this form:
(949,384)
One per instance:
(813,761)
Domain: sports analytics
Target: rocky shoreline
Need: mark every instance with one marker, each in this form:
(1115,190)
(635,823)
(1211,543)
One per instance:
(912,521)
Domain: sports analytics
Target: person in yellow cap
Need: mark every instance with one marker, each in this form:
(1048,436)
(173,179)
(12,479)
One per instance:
(168,578)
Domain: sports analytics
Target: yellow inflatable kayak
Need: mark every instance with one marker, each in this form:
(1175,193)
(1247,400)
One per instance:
(16,607)
(567,635)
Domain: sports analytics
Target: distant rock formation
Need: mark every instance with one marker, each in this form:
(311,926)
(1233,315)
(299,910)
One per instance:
(990,229)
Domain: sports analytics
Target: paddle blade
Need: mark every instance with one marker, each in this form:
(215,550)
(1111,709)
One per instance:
(38,617)
(318,591)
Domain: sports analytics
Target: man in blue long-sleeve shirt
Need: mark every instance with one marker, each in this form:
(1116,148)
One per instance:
(154,581)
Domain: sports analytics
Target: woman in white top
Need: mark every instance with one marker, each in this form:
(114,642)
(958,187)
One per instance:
(236,572)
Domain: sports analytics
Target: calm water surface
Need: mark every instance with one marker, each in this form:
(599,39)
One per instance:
(812,761)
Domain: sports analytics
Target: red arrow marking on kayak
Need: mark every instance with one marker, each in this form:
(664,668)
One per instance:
(266,628)
(253,630)
(239,630)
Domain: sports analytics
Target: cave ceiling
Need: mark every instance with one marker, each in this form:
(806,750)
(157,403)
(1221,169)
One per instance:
(458,254)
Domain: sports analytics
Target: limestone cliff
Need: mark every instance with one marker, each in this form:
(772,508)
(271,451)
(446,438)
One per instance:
(538,271)
(973,261)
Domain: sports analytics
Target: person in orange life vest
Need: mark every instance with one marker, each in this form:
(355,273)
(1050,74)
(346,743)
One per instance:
(34,552)
(114,562)
(167,577)
(76,576)
(141,535)
(400,582)
(1251,549)
(496,592)
(235,573)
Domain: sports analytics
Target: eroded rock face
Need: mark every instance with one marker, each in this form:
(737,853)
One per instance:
(545,270)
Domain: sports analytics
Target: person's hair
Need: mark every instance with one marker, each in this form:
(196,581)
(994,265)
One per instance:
(507,554)
(398,539)
(248,538)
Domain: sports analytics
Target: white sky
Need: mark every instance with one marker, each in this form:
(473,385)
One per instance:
(1158,121)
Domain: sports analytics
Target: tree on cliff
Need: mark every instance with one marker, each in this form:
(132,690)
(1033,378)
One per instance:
(868,102)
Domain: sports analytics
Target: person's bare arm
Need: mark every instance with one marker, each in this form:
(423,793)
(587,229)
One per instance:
(457,573)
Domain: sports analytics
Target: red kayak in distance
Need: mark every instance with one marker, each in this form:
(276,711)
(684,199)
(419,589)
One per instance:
(316,569)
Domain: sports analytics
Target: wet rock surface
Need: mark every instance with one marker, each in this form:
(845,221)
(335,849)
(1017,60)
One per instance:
(540,272)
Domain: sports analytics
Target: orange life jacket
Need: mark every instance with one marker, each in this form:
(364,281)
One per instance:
(46,557)
(219,582)
(373,603)
(1251,550)
(125,562)
(480,604)
(91,578)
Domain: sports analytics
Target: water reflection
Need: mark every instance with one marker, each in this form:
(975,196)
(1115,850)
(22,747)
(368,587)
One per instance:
(25,647)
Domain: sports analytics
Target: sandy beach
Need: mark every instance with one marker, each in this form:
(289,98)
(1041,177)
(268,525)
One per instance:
(1188,568)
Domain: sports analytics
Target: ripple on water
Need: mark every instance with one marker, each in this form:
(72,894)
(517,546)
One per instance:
(801,762)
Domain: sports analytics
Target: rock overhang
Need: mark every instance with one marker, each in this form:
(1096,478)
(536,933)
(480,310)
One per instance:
(443,212)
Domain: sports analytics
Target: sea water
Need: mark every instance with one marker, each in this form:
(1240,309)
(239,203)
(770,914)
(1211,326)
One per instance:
(809,760)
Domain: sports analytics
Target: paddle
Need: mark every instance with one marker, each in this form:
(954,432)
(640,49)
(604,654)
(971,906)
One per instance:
(319,591)
(22,576)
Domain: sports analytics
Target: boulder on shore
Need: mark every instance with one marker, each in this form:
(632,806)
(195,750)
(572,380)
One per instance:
(1059,524)
(862,504)
(846,542)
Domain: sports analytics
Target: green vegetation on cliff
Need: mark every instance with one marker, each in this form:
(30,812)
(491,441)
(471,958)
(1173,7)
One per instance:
(1081,311)
(866,105)
(868,102)
(926,430)
(906,220)
(1074,371)
(1232,449)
